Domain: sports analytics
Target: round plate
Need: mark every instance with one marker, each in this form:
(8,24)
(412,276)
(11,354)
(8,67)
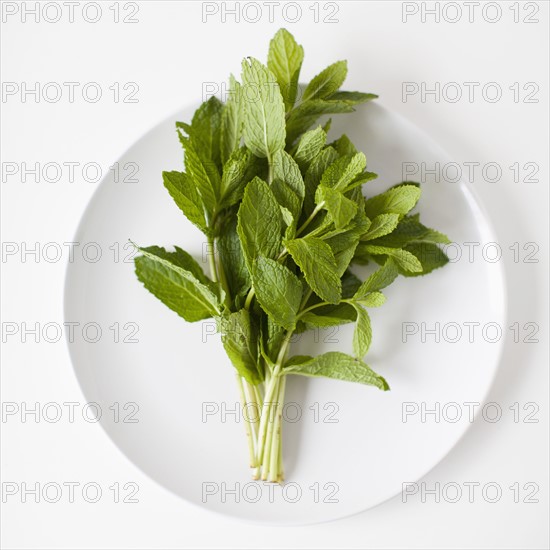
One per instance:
(347,447)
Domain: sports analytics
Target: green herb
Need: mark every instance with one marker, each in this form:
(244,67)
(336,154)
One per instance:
(284,212)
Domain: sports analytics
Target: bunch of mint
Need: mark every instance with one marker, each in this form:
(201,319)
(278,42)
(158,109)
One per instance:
(285,214)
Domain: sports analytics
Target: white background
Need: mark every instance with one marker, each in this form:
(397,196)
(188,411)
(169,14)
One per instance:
(169,53)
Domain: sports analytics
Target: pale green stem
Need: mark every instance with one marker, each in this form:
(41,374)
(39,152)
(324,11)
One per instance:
(249,438)
(270,171)
(281,471)
(282,352)
(266,407)
(317,209)
(257,396)
(249,298)
(269,436)
(212,260)
(225,285)
(252,411)
(305,299)
(276,444)
(217,272)
(314,306)
(282,255)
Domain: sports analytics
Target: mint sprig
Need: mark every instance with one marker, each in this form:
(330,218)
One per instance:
(285,212)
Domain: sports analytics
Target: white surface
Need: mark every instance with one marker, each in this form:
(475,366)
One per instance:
(169,53)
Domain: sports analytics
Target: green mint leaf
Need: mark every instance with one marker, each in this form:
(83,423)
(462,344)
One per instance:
(374,299)
(350,284)
(429,255)
(233,262)
(362,336)
(284,60)
(355,98)
(204,131)
(289,222)
(404,259)
(359,225)
(411,224)
(313,176)
(409,231)
(309,146)
(240,340)
(380,279)
(278,290)
(183,259)
(176,282)
(341,241)
(313,109)
(397,200)
(272,339)
(204,176)
(361,179)
(264,110)
(288,184)
(344,258)
(342,172)
(317,262)
(259,222)
(185,127)
(346,237)
(288,218)
(186,197)
(327,82)
(329,316)
(337,365)
(232,120)
(344,146)
(341,209)
(381,225)
(304,116)
(236,174)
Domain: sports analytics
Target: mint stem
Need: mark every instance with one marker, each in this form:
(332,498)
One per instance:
(249,298)
(249,438)
(212,260)
(316,211)
(276,453)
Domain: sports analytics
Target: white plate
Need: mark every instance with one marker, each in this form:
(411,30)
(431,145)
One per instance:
(334,469)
